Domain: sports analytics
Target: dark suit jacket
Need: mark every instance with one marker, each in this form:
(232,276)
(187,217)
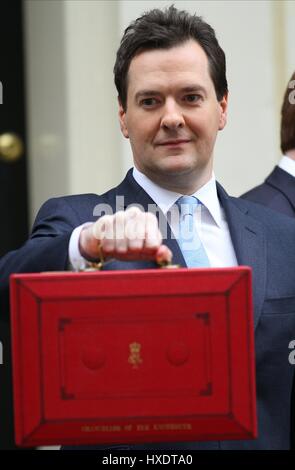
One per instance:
(277,192)
(262,239)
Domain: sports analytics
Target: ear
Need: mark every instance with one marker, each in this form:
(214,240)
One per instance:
(122,119)
(223,112)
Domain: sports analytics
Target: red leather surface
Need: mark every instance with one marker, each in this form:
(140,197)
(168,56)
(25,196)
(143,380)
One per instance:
(133,356)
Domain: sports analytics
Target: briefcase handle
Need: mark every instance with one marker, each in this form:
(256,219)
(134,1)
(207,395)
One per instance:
(98,266)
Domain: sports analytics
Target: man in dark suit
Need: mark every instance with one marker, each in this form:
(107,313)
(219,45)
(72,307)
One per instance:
(278,190)
(171,82)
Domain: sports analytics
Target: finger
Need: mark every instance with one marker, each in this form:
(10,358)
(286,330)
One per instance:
(132,212)
(135,231)
(120,238)
(153,236)
(163,255)
(104,232)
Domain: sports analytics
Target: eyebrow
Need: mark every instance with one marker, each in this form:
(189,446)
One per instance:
(142,93)
(186,89)
(193,89)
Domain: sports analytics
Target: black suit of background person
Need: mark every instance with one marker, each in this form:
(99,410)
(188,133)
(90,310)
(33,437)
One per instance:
(278,190)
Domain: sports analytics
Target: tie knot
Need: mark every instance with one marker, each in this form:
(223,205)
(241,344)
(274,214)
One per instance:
(187,205)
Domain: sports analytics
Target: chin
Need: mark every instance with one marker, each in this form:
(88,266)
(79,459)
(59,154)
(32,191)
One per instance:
(178,168)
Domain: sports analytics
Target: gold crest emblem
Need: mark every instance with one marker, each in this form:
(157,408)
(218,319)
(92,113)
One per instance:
(134,357)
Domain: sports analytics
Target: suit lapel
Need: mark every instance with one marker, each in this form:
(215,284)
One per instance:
(248,238)
(172,244)
(283,182)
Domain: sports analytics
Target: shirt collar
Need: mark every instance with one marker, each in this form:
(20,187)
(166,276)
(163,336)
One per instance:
(288,164)
(165,199)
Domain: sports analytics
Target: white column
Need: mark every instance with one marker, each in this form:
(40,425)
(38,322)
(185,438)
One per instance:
(46,107)
(91,33)
(72,122)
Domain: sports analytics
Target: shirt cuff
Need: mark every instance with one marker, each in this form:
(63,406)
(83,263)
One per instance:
(77,262)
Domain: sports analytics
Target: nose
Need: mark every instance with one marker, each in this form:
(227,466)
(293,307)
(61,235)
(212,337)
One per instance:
(172,116)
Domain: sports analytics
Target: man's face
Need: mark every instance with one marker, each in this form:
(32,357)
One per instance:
(173,115)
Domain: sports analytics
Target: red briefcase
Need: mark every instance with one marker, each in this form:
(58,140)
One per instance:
(133,356)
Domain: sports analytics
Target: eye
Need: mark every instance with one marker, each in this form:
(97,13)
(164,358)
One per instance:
(192,98)
(148,102)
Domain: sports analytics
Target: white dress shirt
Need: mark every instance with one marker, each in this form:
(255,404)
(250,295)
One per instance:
(287,164)
(212,226)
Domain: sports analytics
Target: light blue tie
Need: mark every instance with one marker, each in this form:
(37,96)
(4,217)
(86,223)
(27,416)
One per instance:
(188,239)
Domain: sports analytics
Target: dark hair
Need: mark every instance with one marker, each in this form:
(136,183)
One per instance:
(163,29)
(288,118)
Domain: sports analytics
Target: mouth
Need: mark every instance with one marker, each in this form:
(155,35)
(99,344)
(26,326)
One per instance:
(173,143)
